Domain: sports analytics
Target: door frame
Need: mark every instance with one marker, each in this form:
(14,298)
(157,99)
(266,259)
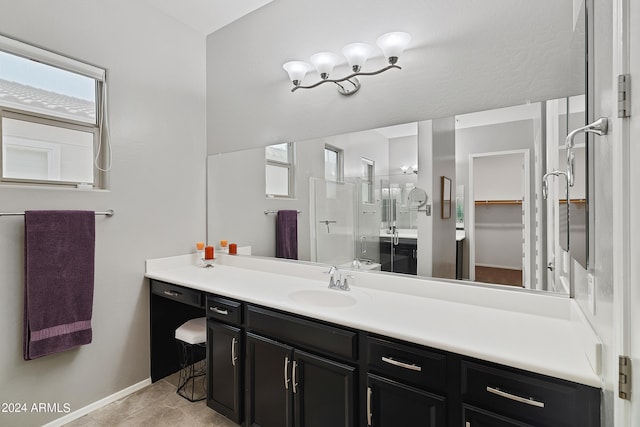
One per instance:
(626,233)
(526,206)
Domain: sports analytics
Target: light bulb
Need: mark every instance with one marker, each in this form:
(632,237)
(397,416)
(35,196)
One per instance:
(393,44)
(357,54)
(324,63)
(296,71)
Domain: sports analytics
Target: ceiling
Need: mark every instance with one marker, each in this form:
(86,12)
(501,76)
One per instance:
(207,16)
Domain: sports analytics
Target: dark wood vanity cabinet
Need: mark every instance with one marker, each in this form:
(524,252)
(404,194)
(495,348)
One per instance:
(393,404)
(170,306)
(268,368)
(496,395)
(407,385)
(400,258)
(295,376)
(225,362)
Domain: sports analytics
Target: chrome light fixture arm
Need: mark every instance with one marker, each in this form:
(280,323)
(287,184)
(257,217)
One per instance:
(391,44)
(351,78)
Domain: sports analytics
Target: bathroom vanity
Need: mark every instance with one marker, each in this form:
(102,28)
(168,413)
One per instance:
(285,351)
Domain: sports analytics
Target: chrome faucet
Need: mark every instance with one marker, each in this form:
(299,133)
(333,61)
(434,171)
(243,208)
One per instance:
(333,272)
(337,283)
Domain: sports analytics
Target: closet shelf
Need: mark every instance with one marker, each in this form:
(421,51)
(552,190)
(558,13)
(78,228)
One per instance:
(497,202)
(576,201)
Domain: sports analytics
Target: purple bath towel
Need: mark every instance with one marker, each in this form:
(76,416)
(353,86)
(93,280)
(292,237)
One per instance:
(287,235)
(59,268)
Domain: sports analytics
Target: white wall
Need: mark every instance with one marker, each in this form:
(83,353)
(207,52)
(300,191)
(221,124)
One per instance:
(156,72)
(249,99)
(425,181)
(369,144)
(444,230)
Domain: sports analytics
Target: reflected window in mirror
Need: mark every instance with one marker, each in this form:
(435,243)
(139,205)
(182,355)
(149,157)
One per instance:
(368,180)
(279,170)
(333,163)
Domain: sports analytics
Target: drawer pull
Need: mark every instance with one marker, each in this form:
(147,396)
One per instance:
(233,351)
(172,293)
(410,366)
(219,311)
(369,414)
(528,401)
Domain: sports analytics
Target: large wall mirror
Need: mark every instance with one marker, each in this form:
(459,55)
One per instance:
(372,199)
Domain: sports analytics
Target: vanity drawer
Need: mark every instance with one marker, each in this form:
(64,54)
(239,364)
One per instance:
(306,334)
(177,293)
(419,367)
(529,397)
(225,310)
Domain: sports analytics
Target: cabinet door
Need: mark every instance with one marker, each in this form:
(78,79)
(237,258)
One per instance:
(474,417)
(392,404)
(224,346)
(269,383)
(323,391)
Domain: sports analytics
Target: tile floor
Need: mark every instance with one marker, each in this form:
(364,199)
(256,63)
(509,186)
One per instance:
(154,405)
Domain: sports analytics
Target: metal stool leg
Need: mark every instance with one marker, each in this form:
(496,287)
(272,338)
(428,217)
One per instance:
(189,375)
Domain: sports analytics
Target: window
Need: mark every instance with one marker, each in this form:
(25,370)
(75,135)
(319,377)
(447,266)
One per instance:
(279,172)
(368,177)
(333,164)
(52,119)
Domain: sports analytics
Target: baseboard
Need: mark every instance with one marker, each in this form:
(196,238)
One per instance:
(501,267)
(98,404)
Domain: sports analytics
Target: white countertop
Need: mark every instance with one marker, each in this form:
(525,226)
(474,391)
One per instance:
(403,233)
(554,339)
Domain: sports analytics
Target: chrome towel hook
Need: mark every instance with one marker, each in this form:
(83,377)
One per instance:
(599,127)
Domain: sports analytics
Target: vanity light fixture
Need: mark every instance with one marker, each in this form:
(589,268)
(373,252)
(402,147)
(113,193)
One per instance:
(409,169)
(391,44)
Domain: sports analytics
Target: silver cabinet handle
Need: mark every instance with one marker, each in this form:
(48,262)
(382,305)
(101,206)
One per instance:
(172,293)
(219,311)
(409,366)
(233,351)
(369,414)
(294,370)
(529,401)
(286,373)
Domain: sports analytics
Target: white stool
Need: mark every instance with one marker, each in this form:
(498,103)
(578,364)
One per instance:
(191,336)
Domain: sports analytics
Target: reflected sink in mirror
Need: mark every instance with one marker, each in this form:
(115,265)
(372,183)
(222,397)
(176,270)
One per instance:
(323,298)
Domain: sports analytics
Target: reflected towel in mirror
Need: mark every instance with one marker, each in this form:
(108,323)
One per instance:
(287,234)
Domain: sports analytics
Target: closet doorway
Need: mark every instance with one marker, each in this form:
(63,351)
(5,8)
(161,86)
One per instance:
(500,218)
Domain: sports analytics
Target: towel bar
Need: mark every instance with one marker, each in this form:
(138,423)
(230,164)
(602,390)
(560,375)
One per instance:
(109,212)
(267,212)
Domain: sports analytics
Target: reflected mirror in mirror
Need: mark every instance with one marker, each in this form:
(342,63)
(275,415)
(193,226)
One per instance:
(417,197)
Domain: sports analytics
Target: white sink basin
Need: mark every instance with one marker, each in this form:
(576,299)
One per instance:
(323,297)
